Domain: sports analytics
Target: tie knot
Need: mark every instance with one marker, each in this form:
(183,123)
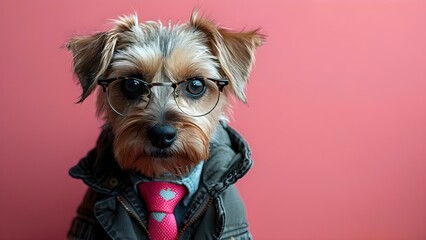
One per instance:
(161,196)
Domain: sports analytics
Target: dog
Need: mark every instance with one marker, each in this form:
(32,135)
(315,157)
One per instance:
(163,93)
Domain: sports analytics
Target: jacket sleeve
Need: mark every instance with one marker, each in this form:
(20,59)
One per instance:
(84,226)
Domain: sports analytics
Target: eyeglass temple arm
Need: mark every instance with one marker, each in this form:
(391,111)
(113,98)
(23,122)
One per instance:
(221,83)
(104,83)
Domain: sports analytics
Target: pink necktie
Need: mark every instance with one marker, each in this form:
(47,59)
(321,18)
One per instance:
(161,199)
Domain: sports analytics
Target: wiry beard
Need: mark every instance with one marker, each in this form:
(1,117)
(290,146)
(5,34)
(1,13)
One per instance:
(134,151)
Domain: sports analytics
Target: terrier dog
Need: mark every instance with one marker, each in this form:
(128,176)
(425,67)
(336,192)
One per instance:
(163,92)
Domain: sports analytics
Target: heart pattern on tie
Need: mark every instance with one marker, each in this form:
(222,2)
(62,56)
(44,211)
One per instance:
(158,216)
(167,194)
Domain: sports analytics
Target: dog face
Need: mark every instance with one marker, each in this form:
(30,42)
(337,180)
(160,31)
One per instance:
(163,88)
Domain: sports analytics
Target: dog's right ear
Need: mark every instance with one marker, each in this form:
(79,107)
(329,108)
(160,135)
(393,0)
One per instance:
(92,54)
(91,58)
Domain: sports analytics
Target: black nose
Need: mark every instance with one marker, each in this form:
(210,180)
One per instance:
(162,136)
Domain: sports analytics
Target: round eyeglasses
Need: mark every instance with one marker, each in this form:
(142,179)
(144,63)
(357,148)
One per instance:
(196,96)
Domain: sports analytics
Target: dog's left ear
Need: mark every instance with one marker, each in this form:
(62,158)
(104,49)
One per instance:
(234,51)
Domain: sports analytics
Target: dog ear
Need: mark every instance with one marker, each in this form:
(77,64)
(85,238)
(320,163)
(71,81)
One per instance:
(92,54)
(234,51)
(91,59)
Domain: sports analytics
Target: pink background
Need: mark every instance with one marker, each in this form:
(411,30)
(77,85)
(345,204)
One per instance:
(336,116)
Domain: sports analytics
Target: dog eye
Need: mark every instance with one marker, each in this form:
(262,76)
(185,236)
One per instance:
(133,88)
(196,87)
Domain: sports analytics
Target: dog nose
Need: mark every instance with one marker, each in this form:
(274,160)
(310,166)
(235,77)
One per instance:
(162,136)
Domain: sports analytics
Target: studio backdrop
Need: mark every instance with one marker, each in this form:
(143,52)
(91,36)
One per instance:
(336,114)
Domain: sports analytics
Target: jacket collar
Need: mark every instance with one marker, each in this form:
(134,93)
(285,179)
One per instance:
(229,161)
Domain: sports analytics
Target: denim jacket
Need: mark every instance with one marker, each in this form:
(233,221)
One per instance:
(111,209)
